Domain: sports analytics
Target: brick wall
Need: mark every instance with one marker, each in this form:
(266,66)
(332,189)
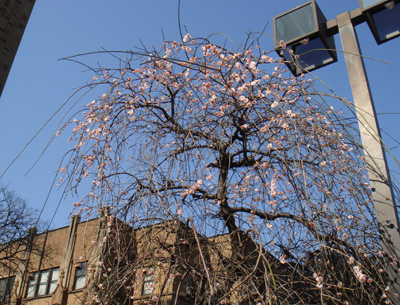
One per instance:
(14,15)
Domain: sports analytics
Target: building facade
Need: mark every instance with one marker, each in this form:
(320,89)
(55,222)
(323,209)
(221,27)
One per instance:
(107,261)
(53,267)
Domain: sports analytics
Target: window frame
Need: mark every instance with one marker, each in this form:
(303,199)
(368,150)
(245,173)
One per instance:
(78,276)
(9,285)
(148,281)
(189,286)
(36,282)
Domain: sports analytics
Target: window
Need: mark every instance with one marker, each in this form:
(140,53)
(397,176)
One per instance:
(148,282)
(6,286)
(189,285)
(42,282)
(80,276)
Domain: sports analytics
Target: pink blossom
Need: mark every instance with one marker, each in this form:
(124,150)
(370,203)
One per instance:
(187,37)
(319,280)
(273,187)
(304,41)
(253,65)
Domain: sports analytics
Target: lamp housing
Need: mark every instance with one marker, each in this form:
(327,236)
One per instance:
(383,18)
(300,37)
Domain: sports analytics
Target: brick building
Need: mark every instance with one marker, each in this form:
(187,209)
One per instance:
(166,262)
(53,267)
(14,16)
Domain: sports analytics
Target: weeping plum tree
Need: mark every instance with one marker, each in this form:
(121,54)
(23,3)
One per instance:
(232,144)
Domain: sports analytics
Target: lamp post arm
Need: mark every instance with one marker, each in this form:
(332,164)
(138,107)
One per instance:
(356,16)
(381,186)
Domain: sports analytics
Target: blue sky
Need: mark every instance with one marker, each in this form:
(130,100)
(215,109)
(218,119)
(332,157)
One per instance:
(39,83)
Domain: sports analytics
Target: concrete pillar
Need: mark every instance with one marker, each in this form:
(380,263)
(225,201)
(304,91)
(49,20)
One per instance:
(60,295)
(21,277)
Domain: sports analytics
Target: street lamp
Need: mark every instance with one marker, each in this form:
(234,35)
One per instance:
(383,18)
(302,30)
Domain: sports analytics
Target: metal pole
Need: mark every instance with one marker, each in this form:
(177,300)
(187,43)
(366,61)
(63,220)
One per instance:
(381,187)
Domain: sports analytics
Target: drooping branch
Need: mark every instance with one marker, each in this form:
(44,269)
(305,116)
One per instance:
(229,140)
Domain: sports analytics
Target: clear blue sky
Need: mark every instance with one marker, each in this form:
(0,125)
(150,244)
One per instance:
(39,83)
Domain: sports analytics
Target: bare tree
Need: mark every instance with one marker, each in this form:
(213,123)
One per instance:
(229,142)
(15,220)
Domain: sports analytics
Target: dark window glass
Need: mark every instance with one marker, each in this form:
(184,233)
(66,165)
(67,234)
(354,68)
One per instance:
(148,282)
(42,282)
(6,286)
(32,285)
(189,285)
(80,276)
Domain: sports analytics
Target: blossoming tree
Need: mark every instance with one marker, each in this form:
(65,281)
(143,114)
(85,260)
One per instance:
(229,142)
